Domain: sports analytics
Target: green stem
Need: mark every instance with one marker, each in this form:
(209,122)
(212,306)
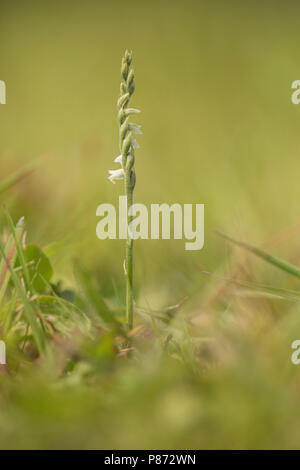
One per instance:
(129,256)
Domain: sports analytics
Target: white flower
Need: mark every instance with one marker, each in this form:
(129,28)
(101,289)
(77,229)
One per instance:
(118,159)
(136,128)
(129,111)
(134,143)
(115,175)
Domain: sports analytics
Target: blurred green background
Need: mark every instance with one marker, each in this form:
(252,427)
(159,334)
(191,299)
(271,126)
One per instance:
(213,81)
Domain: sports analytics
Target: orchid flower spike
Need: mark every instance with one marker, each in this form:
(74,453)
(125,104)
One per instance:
(127,144)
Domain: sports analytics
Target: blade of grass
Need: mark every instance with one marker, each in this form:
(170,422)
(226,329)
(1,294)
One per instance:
(286,293)
(11,254)
(95,300)
(37,331)
(9,311)
(17,176)
(20,252)
(279,263)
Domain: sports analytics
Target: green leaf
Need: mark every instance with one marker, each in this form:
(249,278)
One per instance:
(38,266)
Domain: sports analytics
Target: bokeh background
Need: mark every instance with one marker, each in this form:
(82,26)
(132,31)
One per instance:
(213,81)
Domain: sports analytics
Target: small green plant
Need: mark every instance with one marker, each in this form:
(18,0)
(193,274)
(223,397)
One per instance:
(127,145)
(33,309)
